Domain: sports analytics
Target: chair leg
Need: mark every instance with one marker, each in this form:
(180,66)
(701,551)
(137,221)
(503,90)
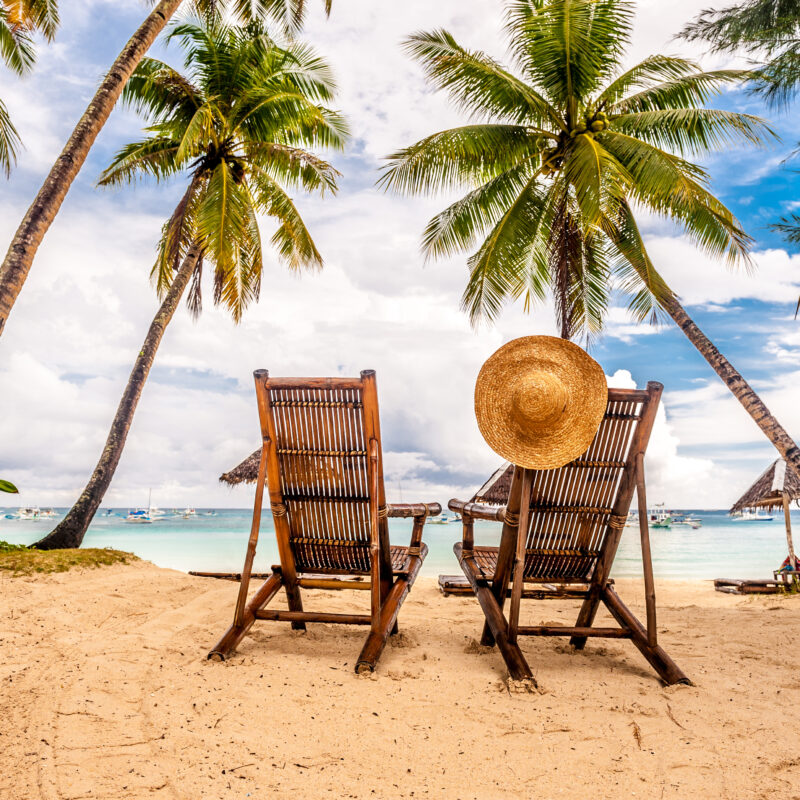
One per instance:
(586,615)
(667,669)
(295,603)
(387,624)
(517,666)
(231,638)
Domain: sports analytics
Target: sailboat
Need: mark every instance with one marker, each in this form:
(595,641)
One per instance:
(139,515)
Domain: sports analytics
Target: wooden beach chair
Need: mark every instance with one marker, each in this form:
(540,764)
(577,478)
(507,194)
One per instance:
(322,463)
(562,527)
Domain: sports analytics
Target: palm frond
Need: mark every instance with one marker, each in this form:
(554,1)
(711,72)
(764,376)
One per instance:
(9,141)
(512,259)
(569,48)
(154,157)
(695,130)
(680,93)
(16,44)
(653,68)
(457,227)
(459,156)
(477,84)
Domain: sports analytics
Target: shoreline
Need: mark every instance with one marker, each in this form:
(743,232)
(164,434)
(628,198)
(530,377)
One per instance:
(107,693)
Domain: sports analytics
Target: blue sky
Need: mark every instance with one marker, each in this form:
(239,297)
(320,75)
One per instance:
(72,337)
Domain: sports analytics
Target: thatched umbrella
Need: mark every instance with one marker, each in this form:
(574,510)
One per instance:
(776,487)
(495,491)
(246,472)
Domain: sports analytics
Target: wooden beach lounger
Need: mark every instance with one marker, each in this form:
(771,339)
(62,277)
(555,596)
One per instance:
(322,463)
(562,527)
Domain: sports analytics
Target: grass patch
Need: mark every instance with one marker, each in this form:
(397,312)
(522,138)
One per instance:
(21,560)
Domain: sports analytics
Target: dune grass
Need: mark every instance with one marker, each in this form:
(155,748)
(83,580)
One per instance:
(21,560)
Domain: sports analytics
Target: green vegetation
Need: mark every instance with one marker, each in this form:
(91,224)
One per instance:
(7,486)
(21,560)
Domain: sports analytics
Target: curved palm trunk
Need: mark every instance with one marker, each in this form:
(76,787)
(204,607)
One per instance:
(741,389)
(70,531)
(44,208)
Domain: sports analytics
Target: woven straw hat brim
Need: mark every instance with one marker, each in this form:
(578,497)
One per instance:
(537,373)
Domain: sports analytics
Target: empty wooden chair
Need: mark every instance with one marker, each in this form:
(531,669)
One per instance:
(561,529)
(321,460)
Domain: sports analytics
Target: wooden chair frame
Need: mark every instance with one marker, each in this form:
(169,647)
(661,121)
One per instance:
(592,589)
(388,587)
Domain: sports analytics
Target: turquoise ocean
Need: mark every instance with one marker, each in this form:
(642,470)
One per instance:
(721,548)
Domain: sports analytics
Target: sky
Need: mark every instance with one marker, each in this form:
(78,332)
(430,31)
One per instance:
(72,337)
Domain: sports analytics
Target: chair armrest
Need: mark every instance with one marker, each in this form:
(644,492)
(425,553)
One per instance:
(405,510)
(419,512)
(469,513)
(478,510)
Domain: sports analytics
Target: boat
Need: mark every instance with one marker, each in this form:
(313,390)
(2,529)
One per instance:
(752,516)
(32,513)
(47,512)
(140,516)
(188,513)
(211,513)
(683,519)
(659,518)
(439,519)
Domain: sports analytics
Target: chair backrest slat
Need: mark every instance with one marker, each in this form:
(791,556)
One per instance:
(322,449)
(573,507)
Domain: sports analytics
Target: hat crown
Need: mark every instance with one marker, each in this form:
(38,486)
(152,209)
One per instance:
(539,399)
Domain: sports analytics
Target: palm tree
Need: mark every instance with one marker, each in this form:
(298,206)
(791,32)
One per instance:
(572,146)
(19,20)
(769,28)
(236,126)
(38,218)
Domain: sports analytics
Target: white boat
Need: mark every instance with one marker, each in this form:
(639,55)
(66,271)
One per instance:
(752,516)
(47,512)
(139,516)
(188,513)
(32,512)
(439,519)
(682,519)
(659,518)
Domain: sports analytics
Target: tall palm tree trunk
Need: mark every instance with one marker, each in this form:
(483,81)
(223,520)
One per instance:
(70,531)
(741,389)
(44,208)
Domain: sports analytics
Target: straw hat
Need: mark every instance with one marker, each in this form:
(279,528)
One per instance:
(539,401)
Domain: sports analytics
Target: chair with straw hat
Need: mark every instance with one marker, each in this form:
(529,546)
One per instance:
(577,448)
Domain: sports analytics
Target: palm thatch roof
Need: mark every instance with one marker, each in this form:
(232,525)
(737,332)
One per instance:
(246,472)
(495,491)
(767,491)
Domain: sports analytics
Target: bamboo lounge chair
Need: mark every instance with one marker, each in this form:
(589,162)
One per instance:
(322,463)
(562,527)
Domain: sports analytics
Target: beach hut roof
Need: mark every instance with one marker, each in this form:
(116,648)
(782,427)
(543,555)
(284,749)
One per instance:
(246,472)
(768,489)
(495,491)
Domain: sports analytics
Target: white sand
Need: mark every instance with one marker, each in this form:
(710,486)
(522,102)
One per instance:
(106,693)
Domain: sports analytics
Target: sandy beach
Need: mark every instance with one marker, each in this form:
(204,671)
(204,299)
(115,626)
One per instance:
(107,694)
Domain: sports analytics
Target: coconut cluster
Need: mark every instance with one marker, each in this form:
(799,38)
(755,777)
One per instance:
(590,125)
(553,158)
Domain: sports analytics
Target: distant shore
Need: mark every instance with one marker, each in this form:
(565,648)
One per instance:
(107,690)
